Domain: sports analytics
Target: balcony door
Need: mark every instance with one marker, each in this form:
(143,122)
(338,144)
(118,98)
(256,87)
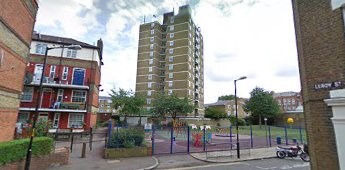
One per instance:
(78,76)
(46,98)
(38,73)
(56,120)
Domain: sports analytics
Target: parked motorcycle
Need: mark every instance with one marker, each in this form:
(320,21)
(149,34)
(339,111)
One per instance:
(293,151)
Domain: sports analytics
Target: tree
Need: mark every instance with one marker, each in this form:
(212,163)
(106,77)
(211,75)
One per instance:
(171,105)
(127,102)
(214,114)
(261,104)
(226,97)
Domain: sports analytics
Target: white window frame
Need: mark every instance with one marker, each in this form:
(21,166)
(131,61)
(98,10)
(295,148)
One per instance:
(152,32)
(52,71)
(151,61)
(171,35)
(148,101)
(56,120)
(151,54)
(152,24)
(170,83)
(149,85)
(171,58)
(171,75)
(172,27)
(150,69)
(28,93)
(81,123)
(41,48)
(151,46)
(59,94)
(170,92)
(171,67)
(71,53)
(172,19)
(149,76)
(65,73)
(149,93)
(73,97)
(171,51)
(171,43)
(152,39)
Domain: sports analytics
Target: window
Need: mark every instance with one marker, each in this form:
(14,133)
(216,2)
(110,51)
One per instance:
(75,120)
(171,51)
(189,67)
(171,75)
(23,118)
(171,67)
(150,77)
(27,94)
(152,25)
(149,85)
(152,39)
(190,27)
(189,35)
(148,108)
(170,84)
(152,31)
(78,96)
(41,48)
(71,53)
(171,58)
(171,28)
(151,54)
(293,101)
(170,92)
(151,46)
(189,75)
(190,42)
(148,101)
(59,97)
(150,69)
(151,61)
(171,35)
(171,43)
(56,120)
(172,19)
(52,71)
(149,93)
(189,83)
(64,73)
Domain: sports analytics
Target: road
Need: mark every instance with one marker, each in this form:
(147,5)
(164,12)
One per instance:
(264,164)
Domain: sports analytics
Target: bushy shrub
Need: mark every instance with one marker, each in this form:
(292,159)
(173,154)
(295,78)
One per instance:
(126,138)
(16,149)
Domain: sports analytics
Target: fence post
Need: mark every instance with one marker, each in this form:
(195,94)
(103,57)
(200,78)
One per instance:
(269,135)
(300,133)
(171,139)
(286,137)
(188,140)
(105,140)
(110,128)
(71,147)
(251,136)
(91,139)
(83,150)
(204,138)
(153,139)
(230,136)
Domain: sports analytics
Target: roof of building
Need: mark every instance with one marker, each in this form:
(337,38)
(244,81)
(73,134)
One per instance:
(60,40)
(223,102)
(285,94)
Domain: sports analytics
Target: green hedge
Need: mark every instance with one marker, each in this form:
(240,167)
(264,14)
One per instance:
(126,138)
(17,149)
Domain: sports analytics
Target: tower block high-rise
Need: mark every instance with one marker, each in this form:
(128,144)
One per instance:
(170,59)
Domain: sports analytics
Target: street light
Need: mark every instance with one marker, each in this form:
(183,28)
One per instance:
(237,142)
(38,100)
(265,119)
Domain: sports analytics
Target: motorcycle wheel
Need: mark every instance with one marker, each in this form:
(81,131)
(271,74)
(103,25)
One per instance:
(305,157)
(281,154)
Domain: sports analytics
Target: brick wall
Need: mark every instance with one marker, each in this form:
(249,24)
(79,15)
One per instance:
(59,157)
(321,51)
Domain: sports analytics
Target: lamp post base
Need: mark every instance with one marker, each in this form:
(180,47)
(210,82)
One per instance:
(238,150)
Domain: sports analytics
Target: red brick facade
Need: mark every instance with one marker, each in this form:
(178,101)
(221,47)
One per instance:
(17,18)
(321,51)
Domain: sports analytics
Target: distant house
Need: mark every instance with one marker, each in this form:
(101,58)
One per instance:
(105,110)
(288,101)
(228,107)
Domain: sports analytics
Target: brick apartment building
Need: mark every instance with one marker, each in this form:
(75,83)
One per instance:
(70,85)
(170,59)
(321,50)
(17,18)
(288,101)
(228,107)
(105,110)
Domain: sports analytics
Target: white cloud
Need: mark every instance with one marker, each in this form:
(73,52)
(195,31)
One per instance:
(241,38)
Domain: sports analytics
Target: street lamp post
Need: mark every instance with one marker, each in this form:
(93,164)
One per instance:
(265,119)
(38,100)
(237,140)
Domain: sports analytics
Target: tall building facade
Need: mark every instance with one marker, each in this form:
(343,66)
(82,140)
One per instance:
(69,99)
(171,60)
(17,18)
(288,101)
(321,50)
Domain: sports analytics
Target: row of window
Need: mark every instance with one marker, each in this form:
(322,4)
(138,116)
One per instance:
(75,120)
(77,95)
(41,49)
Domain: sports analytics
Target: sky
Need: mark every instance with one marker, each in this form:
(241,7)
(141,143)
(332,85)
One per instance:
(253,38)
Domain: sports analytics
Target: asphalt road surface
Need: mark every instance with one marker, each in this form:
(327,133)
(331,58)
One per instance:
(264,164)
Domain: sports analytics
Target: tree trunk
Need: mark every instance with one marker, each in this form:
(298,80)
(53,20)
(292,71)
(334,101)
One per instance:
(260,121)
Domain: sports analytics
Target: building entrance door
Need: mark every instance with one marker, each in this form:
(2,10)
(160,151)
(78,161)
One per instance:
(78,76)
(46,98)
